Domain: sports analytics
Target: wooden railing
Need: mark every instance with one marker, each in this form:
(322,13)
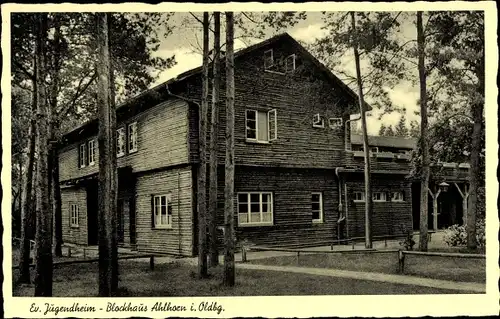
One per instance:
(402,255)
(92,260)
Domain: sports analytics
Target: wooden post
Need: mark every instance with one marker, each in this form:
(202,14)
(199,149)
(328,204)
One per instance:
(401,261)
(298,258)
(152,262)
(385,242)
(465,199)
(352,242)
(435,208)
(243,254)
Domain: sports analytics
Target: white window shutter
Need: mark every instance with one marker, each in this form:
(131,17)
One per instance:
(272,117)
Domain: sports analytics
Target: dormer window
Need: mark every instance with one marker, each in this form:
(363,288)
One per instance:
(318,121)
(290,63)
(335,122)
(268,59)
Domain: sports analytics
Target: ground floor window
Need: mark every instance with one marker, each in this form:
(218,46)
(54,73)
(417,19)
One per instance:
(317,207)
(74,212)
(162,211)
(379,197)
(397,197)
(358,196)
(255,208)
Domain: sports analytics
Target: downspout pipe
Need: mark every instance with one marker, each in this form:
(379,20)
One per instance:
(341,213)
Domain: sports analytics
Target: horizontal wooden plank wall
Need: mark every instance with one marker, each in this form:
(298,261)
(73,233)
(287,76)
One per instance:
(177,240)
(387,216)
(161,139)
(291,190)
(378,163)
(297,97)
(74,195)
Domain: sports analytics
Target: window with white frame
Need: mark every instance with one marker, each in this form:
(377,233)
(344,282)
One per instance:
(74,215)
(379,197)
(358,196)
(290,63)
(397,197)
(261,126)
(82,155)
(255,208)
(132,137)
(317,207)
(335,122)
(162,211)
(268,59)
(318,121)
(120,142)
(91,150)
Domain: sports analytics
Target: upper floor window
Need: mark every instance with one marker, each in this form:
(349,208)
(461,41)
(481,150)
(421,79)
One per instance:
(255,208)
(379,196)
(318,121)
(120,142)
(397,197)
(91,150)
(132,137)
(74,212)
(290,63)
(317,207)
(82,155)
(162,211)
(261,126)
(335,122)
(268,59)
(359,196)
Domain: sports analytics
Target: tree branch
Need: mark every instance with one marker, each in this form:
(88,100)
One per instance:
(198,19)
(78,94)
(21,68)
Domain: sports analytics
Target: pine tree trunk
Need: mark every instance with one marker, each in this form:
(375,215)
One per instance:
(55,197)
(43,237)
(214,133)
(56,205)
(362,109)
(202,172)
(475,170)
(107,163)
(229,275)
(27,224)
(424,181)
(114,164)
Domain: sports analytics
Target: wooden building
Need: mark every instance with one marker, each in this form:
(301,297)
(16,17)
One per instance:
(297,179)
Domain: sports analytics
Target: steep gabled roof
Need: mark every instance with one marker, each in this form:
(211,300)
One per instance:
(161,88)
(386,141)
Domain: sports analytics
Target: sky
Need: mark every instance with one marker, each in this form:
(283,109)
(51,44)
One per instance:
(185,43)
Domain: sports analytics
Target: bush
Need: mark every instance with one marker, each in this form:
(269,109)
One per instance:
(408,241)
(456,235)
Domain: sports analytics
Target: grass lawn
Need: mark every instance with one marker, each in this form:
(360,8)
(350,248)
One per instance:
(178,279)
(444,268)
